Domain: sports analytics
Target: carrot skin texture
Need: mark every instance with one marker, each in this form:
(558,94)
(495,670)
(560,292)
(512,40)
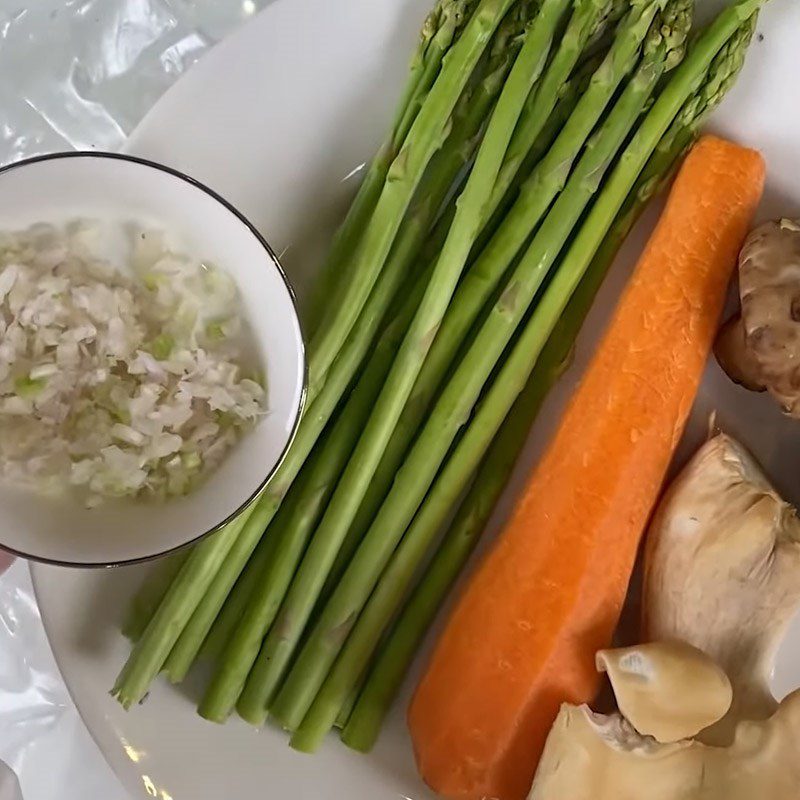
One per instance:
(523,636)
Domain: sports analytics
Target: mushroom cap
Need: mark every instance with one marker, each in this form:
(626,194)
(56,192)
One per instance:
(667,690)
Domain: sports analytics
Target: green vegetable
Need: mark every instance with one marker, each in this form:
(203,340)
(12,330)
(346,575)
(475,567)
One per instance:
(152,280)
(354,482)
(151,593)
(441,28)
(570,93)
(587,18)
(239,597)
(215,332)
(443,170)
(154,645)
(424,138)
(28,387)
(605,32)
(161,346)
(250,580)
(449,23)
(483,277)
(191,461)
(314,492)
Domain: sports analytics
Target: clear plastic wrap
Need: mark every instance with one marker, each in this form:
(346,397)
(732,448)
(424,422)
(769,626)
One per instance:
(32,697)
(42,738)
(82,73)
(76,74)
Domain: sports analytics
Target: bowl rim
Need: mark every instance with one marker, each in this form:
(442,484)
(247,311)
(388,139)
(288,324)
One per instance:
(196,184)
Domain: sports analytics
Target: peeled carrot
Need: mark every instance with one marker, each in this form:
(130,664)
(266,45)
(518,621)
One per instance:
(523,636)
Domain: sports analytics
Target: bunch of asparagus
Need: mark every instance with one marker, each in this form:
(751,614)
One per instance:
(530,136)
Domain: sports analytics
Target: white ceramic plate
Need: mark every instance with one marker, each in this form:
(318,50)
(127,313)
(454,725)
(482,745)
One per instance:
(275,119)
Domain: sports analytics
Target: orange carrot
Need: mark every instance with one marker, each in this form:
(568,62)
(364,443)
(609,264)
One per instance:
(523,637)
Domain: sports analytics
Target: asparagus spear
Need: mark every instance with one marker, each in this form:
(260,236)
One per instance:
(424,138)
(214,552)
(437,182)
(511,377)
(242,649)
(449,163)
(461,393)
(444,169)
(364,721)
(307,584)
(441,28)
(569,95)
(152,648)
(546,181)
(239,597)
(214,566)
(197,599)
(522,154)
(452,19)
(588,17)
(151,593)
(205,580)
(604,34)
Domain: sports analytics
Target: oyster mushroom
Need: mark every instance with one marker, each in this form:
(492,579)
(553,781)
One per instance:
(593,757)
(668,690)
(761,349)
(722,572)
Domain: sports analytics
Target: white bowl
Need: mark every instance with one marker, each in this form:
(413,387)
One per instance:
(62,187)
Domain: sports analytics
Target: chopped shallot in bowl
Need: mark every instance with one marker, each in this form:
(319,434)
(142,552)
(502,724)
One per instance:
(118,385)
(152,368)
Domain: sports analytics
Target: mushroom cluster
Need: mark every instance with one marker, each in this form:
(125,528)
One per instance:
(696,716)
(594,757)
